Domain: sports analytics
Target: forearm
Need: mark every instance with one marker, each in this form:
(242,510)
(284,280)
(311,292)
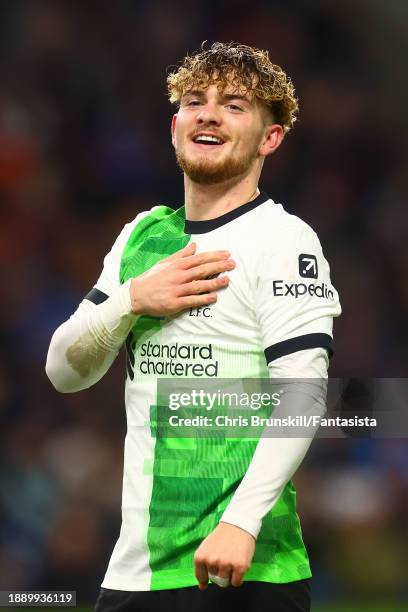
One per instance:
(84,347)
(261,489)
(279,453)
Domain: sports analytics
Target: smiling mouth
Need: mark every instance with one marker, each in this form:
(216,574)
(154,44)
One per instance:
(202,139)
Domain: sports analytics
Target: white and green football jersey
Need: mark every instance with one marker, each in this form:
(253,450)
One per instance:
(279,300)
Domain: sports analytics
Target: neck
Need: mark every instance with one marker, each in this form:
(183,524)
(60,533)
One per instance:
(203,202)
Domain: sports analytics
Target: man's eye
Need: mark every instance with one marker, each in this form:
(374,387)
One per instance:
(234,107)
(193,103)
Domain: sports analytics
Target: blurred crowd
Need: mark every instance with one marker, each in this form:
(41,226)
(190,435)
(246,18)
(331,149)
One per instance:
(84,146)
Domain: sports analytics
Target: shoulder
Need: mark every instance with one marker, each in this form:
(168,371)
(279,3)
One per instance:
(113,257)
(278,231)
(109,279)
(155,213)
(159,219)
(142,220)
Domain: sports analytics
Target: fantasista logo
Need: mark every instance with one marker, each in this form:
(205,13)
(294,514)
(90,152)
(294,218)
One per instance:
(177,359)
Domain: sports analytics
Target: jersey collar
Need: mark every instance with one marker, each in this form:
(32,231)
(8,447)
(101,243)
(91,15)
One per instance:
(202,227)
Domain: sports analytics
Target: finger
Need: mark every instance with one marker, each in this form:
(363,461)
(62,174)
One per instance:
(206,270)
(201,573)
(187,251)
(237,577)
(191,301)
(196,287)
(224,571)
(202,258)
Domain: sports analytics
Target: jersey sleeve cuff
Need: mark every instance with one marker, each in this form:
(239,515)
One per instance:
(299,343)
(252,526)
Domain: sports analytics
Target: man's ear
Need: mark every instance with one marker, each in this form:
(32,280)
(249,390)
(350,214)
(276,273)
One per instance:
(272,139)
(173,129)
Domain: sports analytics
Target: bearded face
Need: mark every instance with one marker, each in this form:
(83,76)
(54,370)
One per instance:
(208,169)
(217,135)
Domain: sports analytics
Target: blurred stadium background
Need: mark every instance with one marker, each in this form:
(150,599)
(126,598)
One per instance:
(84,146)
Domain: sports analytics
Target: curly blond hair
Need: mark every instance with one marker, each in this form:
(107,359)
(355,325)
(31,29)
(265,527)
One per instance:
(247,69)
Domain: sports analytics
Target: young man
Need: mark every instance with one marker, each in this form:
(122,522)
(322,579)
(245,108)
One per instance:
(194,506)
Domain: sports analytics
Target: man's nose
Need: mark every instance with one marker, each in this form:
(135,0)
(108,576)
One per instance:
(209,113)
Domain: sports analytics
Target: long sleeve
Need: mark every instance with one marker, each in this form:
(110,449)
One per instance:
(84,347)
(277,458)
(295,303)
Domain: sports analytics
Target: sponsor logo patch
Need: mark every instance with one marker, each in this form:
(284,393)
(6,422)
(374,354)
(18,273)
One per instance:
(308,266)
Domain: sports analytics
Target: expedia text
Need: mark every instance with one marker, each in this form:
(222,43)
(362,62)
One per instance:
(296,290)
